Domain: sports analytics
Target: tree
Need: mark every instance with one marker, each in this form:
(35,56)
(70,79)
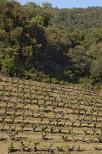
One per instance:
(79,61)
(96,70)
(47,5)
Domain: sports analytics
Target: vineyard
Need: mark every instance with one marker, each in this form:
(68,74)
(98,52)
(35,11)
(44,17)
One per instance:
(37,117)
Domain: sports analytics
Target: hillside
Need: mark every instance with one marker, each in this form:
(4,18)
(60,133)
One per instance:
(82,18)
(50,44)
(38,117)
(50,60)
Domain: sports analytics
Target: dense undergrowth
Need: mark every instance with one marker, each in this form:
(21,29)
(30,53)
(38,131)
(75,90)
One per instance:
(50,44)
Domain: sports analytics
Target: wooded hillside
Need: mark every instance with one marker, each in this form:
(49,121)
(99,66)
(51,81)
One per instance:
(51,44)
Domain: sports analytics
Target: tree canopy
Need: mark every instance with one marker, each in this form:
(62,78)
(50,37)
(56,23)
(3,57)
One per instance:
(50,44)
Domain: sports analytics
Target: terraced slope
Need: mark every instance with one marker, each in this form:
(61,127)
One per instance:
(46,118)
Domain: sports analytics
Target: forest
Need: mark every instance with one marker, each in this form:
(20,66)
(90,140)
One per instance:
(49,44)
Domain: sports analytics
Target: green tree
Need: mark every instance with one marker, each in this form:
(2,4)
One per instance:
(96,70)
